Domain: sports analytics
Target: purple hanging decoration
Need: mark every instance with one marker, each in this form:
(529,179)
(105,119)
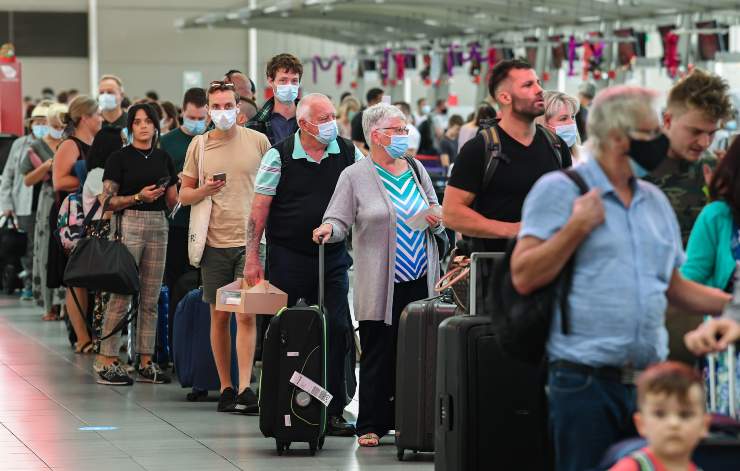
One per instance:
(318,63)
(385,65)
(571,56)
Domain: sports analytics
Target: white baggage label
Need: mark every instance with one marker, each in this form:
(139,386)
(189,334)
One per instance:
(287,420)
(311,388)
(293,354)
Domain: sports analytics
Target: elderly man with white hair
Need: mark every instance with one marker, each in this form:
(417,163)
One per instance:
(396,260)
(627,246)
(294,184)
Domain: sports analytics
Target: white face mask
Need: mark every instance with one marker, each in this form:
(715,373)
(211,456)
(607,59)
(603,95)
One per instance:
(223,119)
(107,101)
(568,133)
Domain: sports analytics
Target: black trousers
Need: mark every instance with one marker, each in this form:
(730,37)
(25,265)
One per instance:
(297,274)
(378,362)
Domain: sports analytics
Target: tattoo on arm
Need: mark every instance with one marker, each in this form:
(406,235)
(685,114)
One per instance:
(110,190)
(252,241)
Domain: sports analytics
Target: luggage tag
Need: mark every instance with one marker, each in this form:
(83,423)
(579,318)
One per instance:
(308,385)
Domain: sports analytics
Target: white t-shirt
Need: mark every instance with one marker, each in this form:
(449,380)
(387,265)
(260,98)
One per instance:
(414,137)
(91,189)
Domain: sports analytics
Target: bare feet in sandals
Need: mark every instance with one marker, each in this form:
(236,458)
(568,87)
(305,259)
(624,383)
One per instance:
(369,440)
(86,347)
(52,315)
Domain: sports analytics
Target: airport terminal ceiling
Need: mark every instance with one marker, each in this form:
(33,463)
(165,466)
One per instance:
(367,22)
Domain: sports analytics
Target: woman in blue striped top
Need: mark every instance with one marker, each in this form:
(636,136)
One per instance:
(393,212)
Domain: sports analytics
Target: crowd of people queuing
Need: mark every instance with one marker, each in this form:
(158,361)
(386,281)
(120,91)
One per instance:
(655,240)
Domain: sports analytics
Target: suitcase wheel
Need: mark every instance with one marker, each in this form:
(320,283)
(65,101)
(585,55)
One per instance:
(399,454)
(281,447)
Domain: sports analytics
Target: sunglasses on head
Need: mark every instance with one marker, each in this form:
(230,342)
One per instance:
(220,85)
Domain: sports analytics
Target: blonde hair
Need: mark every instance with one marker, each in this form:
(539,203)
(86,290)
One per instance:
(81,106)
(553,101)
(348,105)
(56,112)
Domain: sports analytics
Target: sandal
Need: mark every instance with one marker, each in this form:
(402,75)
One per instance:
(52,315)
(369,440)
(85,348)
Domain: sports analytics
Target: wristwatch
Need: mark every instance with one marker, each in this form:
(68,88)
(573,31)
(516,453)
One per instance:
(137,198)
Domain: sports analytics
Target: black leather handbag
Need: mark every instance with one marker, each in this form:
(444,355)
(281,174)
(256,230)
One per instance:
(13,242)
(102,264)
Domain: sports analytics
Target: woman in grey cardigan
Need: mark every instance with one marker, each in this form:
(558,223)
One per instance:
(393,212)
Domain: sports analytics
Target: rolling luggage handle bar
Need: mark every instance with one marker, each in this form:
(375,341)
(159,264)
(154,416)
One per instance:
(322,241)
(474,257)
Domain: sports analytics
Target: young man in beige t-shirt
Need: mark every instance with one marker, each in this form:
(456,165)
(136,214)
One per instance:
(236,152)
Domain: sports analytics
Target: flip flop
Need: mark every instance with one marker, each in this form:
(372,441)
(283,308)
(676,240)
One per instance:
(50,316)
(86,348)
(369,440)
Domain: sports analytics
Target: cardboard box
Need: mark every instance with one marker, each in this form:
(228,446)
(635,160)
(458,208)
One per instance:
(263,298)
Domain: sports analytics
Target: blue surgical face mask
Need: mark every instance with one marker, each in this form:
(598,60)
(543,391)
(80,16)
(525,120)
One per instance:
(286,93)
(56,133)
(194,126)
(39,130)
(568,133)
(731,125)
(107,101)
(327,131)
(398,146)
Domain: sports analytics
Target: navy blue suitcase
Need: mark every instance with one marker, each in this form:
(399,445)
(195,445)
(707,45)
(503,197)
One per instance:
(191,345)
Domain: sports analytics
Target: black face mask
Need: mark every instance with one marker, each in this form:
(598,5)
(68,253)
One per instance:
(649,154)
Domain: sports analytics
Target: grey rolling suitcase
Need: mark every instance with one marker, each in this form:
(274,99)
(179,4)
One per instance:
(416,362)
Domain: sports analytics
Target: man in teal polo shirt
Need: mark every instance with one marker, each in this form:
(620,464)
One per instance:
(292,189)
(175,143)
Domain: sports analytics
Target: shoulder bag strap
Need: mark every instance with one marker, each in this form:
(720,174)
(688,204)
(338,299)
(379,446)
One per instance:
(347,149)
(567,273)
(201,157)
(285,149)
(554,142)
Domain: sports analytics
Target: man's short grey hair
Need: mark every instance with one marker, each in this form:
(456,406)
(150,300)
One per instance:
(377,116)
(303,110)
(618,108)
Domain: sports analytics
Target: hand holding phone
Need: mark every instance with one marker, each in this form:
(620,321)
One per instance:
(219,177)
(163,182)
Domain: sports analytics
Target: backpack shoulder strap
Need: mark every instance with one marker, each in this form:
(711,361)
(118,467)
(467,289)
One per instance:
(493,153)
(643,461)
(285,149)
(577,179)
(554,142)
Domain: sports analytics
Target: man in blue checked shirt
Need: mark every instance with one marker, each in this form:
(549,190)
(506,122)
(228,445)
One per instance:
(294,185)
(627,247)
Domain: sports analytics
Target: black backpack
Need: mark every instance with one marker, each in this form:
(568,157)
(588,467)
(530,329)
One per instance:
(525,320)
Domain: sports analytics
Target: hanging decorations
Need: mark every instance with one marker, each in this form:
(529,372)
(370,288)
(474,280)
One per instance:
(400,58)
(571,56)
(670,59)
(385,64)
(7,52)
(318,63)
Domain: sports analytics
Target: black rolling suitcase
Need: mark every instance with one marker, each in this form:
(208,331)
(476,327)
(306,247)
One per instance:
(293,396)
(491,408)
(416,363)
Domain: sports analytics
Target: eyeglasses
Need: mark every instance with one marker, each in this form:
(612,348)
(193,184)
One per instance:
(403,130)
(220,85)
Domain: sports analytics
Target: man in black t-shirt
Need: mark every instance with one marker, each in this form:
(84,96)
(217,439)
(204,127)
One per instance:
(491,214)
(373,97)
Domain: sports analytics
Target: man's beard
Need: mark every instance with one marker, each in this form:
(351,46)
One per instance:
(527,109)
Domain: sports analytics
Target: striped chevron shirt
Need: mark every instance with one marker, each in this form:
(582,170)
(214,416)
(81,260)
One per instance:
(411,254)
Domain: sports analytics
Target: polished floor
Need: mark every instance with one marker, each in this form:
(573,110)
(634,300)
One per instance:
(54,416)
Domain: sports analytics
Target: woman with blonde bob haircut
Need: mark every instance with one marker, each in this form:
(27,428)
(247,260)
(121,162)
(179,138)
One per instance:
(560,118)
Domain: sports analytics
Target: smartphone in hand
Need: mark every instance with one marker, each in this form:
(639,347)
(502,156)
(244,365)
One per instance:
(163,182)
(219,177)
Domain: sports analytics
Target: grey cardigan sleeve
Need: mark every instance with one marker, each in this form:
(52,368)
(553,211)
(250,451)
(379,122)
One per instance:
(431,195)
(9,174)
(342,209)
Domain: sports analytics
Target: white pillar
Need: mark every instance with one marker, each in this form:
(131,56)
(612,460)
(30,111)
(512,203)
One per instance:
(253,73)
(92,44)
(407,90)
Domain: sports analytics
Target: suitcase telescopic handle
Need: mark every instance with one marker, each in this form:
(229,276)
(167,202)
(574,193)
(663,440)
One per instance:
(321,271)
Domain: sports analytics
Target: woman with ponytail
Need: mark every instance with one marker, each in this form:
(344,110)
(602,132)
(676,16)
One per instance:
(83,121)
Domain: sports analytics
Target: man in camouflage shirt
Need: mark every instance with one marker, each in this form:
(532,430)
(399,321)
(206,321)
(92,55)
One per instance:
(696,107)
